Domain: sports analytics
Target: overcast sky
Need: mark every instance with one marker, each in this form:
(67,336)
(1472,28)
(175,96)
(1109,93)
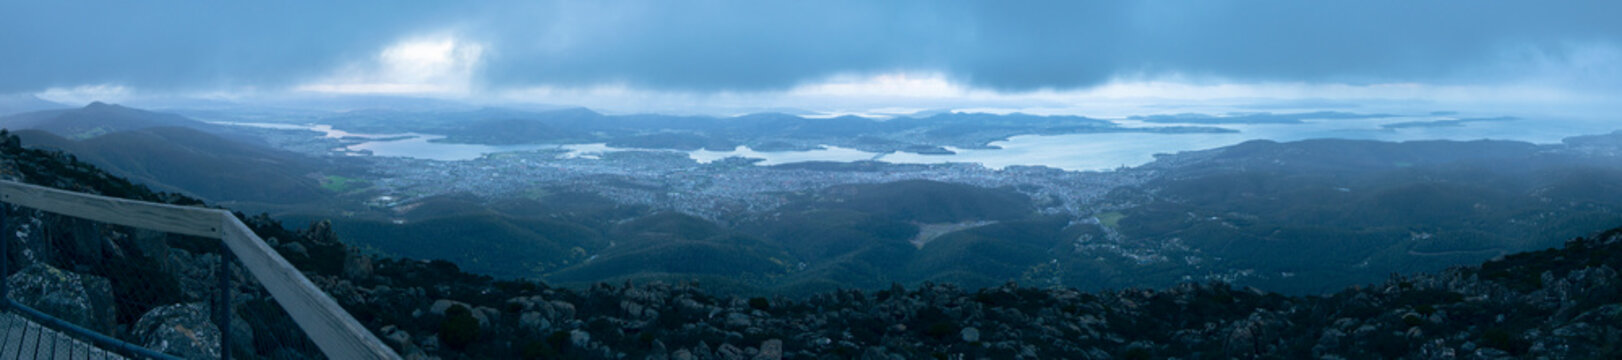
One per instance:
(805,53)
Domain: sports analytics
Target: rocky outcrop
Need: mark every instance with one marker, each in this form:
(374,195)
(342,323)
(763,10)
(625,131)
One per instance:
(80,299)
(1558,304)
(183,330)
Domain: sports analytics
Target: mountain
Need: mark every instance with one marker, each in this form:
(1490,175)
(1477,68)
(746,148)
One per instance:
(1255,118)
(1555,303)
(95,120)
(22,103)
(185,160)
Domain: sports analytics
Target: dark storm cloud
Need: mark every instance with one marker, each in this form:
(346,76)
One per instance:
(763,45)
(191,44)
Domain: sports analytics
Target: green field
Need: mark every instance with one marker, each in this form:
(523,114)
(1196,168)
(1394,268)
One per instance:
(1111,220)
(340,184)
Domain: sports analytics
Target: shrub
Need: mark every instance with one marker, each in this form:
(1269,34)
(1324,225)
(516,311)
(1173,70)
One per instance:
(459,328)
(941,329)
(760,303)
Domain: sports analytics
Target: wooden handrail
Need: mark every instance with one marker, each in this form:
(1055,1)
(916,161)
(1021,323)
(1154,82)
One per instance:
(331,328)
(162,217)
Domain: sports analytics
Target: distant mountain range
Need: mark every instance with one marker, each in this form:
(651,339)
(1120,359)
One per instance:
(771,131)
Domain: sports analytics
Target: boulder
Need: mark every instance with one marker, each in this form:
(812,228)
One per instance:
(729,352)
(185,330)
(534,320)
(296,248)
(357,266)
(970,334)
(439,306)
(579,338)
(770,350)
(77,298)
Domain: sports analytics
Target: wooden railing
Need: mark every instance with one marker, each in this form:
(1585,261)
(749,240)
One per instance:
(332,329)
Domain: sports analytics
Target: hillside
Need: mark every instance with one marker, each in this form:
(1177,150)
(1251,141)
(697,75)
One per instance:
(97,119)
(1554,303)
(179,159)
(1305,217)
(1311,216)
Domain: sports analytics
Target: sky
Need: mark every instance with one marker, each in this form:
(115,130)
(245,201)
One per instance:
(827,56)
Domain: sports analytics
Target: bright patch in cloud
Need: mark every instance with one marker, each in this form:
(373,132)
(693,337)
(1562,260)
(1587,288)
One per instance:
(85,94)
(441,65)
(901,84)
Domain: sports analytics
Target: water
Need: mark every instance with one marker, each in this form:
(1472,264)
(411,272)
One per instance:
(410,145)
(1101,151)
(422,146)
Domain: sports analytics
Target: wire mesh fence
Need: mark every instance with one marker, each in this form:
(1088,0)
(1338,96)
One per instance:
(156,290)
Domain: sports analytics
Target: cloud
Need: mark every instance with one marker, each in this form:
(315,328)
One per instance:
(437,65)
(86,94)
(754,46)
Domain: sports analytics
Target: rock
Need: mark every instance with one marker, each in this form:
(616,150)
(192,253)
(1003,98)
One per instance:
(534,320)
(875,353)
(194,273)
(682,354)
(486,315)
(1330,339)
(580,338)
(241,334)
(181,329)
(415,353)
(632,309)
(970,334)
(702,351)
(321,232)
(770,350)
(560,309)
(394,334)
(80,299)
(737,320)
(729,352)
(85,241)
(439,306)
(151,244)
(357,266)
(296,248)
(429,343)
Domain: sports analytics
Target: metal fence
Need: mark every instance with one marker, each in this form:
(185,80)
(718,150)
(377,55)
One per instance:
(182,280)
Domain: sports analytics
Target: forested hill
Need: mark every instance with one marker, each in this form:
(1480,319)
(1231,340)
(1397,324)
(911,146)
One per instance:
(1557,303)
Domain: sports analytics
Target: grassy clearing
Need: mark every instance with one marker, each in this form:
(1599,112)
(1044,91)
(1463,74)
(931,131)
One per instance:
(1111,220)
(340,184)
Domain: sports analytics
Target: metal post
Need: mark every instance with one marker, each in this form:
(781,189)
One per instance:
(223,319)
